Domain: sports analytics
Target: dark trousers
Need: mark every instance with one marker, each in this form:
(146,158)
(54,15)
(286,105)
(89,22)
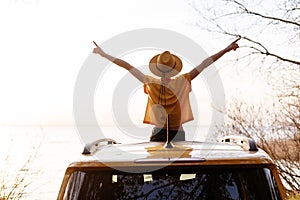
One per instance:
(160,135)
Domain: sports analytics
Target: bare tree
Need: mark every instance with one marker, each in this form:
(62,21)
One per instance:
(271,39)
(13,185)
(272,133)
(236,18)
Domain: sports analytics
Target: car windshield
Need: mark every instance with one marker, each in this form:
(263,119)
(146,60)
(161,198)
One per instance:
(214,183)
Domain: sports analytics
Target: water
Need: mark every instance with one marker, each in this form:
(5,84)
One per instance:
(36,157)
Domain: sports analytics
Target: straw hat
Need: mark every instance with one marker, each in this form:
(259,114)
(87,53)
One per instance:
(165,65)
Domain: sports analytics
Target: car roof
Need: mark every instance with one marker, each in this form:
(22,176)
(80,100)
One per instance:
(147,157)
(227,151)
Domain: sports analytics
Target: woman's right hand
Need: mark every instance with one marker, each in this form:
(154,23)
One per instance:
(233,46)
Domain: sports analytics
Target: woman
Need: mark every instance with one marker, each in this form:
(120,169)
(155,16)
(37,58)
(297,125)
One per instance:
(168,105)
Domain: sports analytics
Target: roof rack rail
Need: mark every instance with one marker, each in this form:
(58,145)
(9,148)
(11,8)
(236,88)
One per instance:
(245,142)
(93,147)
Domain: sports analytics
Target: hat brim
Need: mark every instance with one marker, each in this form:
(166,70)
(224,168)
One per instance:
(154,68)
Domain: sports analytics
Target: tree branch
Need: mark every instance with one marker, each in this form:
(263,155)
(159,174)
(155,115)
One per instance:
(246,10)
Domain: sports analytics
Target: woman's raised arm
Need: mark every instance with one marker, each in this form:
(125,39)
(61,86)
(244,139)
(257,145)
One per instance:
(134,71)
(208,61)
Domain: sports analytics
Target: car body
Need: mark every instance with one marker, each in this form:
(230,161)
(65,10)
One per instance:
(232,168)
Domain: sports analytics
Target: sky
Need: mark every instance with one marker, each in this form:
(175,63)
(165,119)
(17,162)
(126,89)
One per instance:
(43,45)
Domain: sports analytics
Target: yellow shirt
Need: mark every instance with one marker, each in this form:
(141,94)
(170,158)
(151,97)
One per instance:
(174,101)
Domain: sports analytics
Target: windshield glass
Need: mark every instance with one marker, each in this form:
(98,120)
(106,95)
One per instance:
(233,183)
